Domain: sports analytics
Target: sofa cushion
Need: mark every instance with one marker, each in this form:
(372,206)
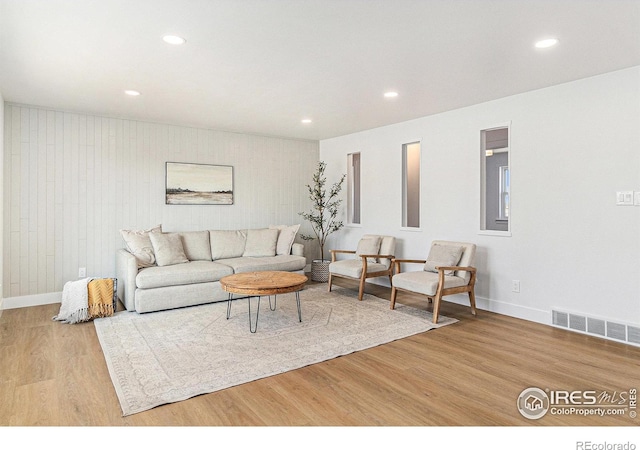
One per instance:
(286,236)
(168,248)
(287,263)
(139,245)
(261,242)
(443,255)
(196,245)
(188,273)
(227,243)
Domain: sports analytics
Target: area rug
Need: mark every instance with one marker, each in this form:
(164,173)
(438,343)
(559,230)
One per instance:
(169,356)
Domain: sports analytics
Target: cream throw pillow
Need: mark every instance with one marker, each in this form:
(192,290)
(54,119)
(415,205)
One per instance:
(261,242)
(227,243)
(369,246)
(286,236)
(139,245)
(196,245)
(443,255)
(168,248)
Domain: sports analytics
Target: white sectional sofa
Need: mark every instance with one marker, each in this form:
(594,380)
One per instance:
(158,271)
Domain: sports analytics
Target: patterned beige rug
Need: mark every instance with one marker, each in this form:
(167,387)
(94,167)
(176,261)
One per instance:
(169,356)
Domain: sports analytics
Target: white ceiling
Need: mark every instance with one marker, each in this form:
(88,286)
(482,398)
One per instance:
(260,66)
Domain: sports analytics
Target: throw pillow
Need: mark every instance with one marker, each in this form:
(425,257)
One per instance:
(443,255)
(286,236)
(139,245)
(168,248)
(369,245)
(227,243)
(261,242)
(196,245)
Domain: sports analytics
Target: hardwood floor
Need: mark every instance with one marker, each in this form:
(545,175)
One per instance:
(468,373)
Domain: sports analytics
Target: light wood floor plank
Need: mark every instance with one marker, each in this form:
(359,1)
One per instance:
(468,373)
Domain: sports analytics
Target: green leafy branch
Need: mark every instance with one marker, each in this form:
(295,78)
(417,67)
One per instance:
(324,212)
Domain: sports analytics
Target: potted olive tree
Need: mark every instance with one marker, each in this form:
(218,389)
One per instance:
(323,217)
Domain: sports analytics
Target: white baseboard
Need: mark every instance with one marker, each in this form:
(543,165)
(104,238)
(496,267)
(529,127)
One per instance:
(507,309)
(486,304)
(25,301)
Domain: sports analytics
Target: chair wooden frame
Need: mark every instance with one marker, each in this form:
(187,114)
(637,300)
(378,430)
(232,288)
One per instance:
(441,291)
(388,272)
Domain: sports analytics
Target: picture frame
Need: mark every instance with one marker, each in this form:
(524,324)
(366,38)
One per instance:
(198,184)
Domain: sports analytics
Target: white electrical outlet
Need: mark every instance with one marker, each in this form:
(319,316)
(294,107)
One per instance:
(515,285)
(82,272)
(624,198)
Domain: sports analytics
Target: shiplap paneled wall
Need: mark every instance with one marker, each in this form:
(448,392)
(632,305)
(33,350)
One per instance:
(72,181)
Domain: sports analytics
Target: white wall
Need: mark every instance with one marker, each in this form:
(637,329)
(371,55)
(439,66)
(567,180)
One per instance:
(72,181)
(572,147)
(1,193)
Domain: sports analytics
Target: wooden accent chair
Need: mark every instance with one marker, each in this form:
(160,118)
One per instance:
(447,270)
(374,255)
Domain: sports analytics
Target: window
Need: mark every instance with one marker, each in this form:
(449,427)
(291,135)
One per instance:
(496,181)
(503,198)
(411,185)
(353,188)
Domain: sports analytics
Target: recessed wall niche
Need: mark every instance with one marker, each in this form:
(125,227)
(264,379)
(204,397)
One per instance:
(495,196)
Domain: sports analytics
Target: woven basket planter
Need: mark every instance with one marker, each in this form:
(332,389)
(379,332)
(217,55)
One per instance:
(320,270)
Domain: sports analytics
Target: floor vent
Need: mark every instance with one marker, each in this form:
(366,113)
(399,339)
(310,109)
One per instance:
(596,327)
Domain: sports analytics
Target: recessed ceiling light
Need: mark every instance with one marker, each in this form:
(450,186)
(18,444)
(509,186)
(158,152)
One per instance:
(174,40)
(390,94)
(546,43)
(132,93)
(306,120)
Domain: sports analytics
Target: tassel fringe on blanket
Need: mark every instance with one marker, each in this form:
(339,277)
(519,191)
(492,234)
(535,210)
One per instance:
(86,299)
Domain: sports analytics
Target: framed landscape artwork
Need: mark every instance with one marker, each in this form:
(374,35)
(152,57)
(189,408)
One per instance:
(199,184)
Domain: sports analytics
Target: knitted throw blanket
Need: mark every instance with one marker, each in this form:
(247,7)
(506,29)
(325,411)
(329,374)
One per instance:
(85,299)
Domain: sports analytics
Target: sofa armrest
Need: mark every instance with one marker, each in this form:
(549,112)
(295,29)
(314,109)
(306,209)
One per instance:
(126,271)
(297,249)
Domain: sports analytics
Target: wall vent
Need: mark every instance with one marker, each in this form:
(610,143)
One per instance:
(577,322)
(561,319)
(596,327)
(633,334)
(616,331)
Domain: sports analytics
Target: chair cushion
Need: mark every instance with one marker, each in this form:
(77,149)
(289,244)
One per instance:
(369,245)
(424,282)
(168,248)
(353,267)
(139,245)
(443,255)
(261,242)
(188,273)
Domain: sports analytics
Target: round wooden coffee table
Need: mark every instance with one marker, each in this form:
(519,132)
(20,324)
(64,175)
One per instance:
(261,284)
